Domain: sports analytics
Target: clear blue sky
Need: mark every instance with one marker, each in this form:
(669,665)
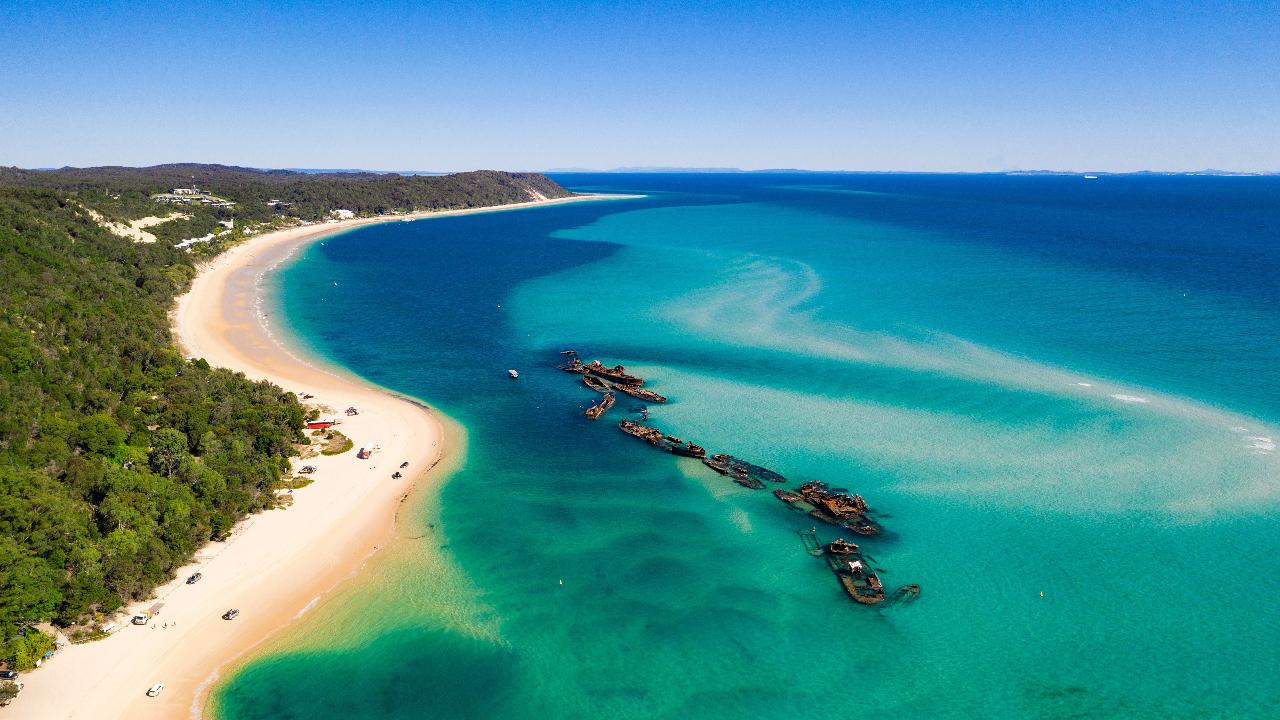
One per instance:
(531,85)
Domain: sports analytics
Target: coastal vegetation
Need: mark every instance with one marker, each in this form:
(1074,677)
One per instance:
(336,443)
(23,651)
(281,196)
(119,458)
(296,483)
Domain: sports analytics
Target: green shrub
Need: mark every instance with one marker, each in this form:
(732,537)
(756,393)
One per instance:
(8,691)
(337,444)
(23,651)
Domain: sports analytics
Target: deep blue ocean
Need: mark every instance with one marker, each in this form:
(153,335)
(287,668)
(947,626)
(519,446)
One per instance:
(1061,396)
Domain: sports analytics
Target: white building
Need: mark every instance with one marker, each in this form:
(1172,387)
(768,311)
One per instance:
(343,214)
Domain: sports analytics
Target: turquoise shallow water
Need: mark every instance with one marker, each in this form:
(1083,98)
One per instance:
(1045,385)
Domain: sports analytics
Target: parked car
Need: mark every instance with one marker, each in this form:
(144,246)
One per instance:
(194,579)
(230,614)
(154,690)
(140,619)
(8,675)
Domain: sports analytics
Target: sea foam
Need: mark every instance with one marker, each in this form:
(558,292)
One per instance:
(1130,398)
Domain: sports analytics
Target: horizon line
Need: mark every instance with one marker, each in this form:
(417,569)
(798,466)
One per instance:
(686,170)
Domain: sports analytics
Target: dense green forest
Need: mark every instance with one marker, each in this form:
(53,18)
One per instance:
(118,457)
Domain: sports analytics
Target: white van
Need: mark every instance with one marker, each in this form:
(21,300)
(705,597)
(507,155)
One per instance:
(154,690)
(140,619)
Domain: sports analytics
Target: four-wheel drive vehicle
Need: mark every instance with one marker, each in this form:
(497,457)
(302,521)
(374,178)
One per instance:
(230,614)
(194,579)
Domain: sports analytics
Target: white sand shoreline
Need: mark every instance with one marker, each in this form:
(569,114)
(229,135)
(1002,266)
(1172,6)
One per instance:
(278,565)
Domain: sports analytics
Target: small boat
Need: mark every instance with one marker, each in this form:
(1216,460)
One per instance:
(595,411)
(569,351)
(596,383)
(513,374)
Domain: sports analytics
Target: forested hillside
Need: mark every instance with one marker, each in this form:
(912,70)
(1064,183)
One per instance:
(126,192)
(118,458)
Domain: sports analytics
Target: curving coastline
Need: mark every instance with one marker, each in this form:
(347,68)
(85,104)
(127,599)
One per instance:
(277,564)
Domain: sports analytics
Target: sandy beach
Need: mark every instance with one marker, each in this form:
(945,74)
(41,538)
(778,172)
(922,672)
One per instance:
(277,564)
